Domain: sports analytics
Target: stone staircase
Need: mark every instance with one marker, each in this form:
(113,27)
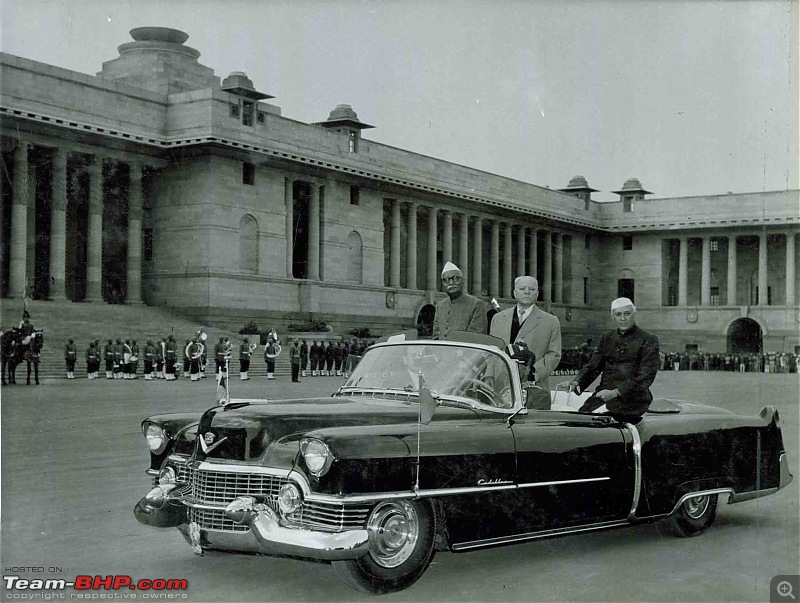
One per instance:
(84,322)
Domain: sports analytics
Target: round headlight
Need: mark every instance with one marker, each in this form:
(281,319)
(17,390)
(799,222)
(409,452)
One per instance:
(156,438)
(167,476)
(289,499)
(317,456)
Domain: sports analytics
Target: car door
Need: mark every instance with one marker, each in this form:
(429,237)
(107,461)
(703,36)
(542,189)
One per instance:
(573,468)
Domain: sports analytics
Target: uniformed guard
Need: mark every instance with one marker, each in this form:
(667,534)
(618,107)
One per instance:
(187,361)
(345,354)
(195,351)
(246,350)
(70,357)
(313,357)
(337,358)
(108,357)
(149,360)
(303,358)
(294,360)
(170,357)
(219,356)
(91,359)
(134,359)
(330,353)
(270,353)
(118,359)
(127,353)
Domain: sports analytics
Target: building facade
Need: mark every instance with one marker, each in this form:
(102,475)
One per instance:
(158,182)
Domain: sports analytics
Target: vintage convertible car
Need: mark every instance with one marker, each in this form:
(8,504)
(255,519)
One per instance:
(429,446)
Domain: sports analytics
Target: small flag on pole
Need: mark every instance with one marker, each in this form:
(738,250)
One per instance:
(427,405)
(223,397)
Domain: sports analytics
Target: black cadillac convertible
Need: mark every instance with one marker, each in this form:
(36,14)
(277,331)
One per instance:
(429,446)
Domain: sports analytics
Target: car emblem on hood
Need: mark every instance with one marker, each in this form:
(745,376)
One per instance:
(206,442)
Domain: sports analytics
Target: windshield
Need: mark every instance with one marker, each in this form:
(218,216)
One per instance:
(449,371)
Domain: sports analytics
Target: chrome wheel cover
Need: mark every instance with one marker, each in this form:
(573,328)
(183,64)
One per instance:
(393,530)
(696,506)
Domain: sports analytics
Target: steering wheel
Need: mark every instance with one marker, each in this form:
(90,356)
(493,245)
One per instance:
(482,390)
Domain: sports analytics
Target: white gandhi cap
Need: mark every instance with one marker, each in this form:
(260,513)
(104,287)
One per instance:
(450,267)
(621,302)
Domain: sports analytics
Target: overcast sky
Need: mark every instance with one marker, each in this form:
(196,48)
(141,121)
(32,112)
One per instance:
(691,97)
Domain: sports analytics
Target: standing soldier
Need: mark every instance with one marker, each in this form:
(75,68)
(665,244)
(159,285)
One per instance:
(127,353)
(170,357)
(187,361)
(330,355)
(195,351)
(313,357)
(118,359)
(134,359)
(294,360)
(70,356)
(108,356)
(337,358)
(219,356)
(270,352)
(149,360)
(245,351)
(91,359)
(345,355)
(303,357)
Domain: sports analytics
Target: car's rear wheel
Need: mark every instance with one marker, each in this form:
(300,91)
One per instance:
(401,547)
(694,515)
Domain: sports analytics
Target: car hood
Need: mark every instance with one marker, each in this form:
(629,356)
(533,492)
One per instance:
(271,431)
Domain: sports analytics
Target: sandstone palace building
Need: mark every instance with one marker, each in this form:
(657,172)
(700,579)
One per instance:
(158,182)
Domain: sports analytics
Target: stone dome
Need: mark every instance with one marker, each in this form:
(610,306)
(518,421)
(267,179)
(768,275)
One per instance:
(632,184)
(159,34)
(238,79)
(343,111)
(578,182)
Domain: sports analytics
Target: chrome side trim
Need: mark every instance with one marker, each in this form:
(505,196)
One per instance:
(745,496)
(702,493)
(474,544)
(411,494)
(637,469)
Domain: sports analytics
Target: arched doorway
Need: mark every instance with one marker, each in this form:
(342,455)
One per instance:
(425,320)
(744,337)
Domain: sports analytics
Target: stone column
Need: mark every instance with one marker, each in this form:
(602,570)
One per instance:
(705,273)
(477,258)
(790,270)
(494,261)
(394,247)
(463,252)
(19,221)
(447,241)
(683,267)
(508,233)
(313,233)
(533,257)
(547,286)
(288,204)
(94,260)
(520,250)
(732,271)
(558,277)
(30,229)
(412,247)
(433,276)
(763,298)
(58,227)
(135,202)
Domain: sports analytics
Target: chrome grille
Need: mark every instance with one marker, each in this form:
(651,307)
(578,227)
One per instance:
(215,520)
(221,487)
(330,517)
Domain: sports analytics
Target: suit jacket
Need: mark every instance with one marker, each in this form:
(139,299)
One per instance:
(541,332)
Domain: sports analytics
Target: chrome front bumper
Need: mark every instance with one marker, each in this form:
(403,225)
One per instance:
(168,509)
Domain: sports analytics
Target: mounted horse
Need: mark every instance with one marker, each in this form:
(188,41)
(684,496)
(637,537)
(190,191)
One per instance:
(16,347)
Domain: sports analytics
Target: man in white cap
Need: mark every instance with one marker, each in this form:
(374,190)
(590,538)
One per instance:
(627,358)
(460,311)
(540,331)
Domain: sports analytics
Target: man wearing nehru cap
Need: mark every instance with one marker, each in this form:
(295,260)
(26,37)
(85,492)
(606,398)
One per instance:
(540,331)
(460,311)
(627,357)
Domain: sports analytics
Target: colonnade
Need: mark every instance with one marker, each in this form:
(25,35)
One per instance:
(732,278)
(470,253)
(23,237)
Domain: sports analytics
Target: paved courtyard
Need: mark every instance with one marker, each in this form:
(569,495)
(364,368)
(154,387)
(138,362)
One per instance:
(73,462)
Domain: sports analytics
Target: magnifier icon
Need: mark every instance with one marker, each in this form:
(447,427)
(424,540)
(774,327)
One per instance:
(785,590)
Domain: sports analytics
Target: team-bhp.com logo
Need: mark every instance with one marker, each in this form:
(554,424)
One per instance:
(92,583)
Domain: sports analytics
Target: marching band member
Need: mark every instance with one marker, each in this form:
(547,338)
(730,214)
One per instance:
(246,349)
(187,361)
(270,353)
(170,357)
(195,352)
(127,352)
(70,356)
(149,360)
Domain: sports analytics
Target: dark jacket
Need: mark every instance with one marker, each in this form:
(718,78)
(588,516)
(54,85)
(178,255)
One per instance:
(628,362)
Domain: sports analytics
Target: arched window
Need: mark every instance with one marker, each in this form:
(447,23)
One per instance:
(355,261)
(248,244)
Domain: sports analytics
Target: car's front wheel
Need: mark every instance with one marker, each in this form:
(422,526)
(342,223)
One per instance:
(401,546)
(694,515)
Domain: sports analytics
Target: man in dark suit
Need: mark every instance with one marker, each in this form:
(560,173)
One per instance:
(627,358)
(540,331)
